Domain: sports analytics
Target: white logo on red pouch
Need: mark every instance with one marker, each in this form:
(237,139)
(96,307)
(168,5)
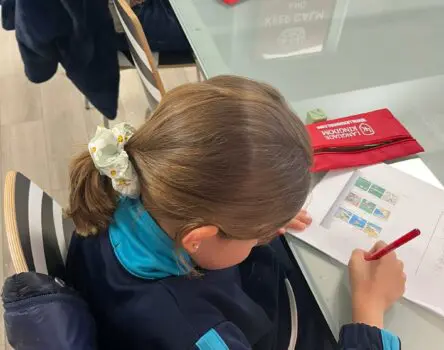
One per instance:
(345,129)
(366,129)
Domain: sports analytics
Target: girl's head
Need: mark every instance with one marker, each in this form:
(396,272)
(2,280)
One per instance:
(222,165)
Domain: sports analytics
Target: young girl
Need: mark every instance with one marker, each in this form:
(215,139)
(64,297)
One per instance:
(173,221)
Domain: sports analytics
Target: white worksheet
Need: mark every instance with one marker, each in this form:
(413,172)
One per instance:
(354,209)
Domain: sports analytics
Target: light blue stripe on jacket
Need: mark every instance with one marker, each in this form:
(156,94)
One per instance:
(211,341)
(390,341)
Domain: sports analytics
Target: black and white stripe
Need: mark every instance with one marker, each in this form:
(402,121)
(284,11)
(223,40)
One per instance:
(139,56)
(35,228)
(21,211)
(44,233)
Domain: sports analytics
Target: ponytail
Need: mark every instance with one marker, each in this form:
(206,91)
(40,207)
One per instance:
(92,200)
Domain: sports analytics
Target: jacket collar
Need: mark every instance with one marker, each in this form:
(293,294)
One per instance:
(141,245)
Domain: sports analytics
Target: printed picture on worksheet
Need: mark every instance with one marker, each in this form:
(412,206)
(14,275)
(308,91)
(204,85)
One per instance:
(365,206)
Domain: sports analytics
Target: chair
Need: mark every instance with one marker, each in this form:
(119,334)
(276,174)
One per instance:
(147,63)
(38,234)
(141,53)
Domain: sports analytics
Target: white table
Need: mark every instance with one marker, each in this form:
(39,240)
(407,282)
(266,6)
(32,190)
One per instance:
(346,57)
(328,280)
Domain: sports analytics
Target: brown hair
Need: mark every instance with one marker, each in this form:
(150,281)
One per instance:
(227,152)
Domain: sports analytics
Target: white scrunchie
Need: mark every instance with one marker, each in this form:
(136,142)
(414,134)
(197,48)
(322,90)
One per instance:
(109,156)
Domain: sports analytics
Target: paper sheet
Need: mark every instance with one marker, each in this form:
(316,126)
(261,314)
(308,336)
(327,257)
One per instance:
(354,209)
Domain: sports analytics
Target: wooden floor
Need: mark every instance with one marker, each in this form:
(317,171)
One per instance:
(42,126)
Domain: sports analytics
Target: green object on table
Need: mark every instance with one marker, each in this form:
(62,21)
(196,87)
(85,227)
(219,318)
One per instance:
(315,116)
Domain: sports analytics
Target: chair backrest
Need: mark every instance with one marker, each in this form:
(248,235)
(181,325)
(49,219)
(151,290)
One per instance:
(140,51)
(38,234)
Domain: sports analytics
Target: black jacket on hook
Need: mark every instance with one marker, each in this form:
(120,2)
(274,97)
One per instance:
(78,34)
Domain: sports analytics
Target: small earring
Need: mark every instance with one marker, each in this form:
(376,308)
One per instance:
(195,246)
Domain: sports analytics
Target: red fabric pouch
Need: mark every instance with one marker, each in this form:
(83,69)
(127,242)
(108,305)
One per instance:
(360,139)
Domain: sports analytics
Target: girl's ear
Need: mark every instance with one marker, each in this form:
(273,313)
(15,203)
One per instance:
(192,240)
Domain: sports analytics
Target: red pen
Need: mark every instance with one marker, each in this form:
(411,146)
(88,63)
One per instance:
(395,244)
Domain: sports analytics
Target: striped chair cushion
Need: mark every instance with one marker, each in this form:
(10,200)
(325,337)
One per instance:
(38,234)
(140,51)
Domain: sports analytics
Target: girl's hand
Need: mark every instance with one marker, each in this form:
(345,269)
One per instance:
(376,285)
(299,223)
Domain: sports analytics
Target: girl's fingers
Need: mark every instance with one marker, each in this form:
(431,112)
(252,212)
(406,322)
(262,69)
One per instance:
(304,217)
(281,231)
(297,225)
(379,245)
(293,225)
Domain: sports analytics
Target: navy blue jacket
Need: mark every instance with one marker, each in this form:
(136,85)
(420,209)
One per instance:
(139,298)
(43,314)
(79,34)
(161,26)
